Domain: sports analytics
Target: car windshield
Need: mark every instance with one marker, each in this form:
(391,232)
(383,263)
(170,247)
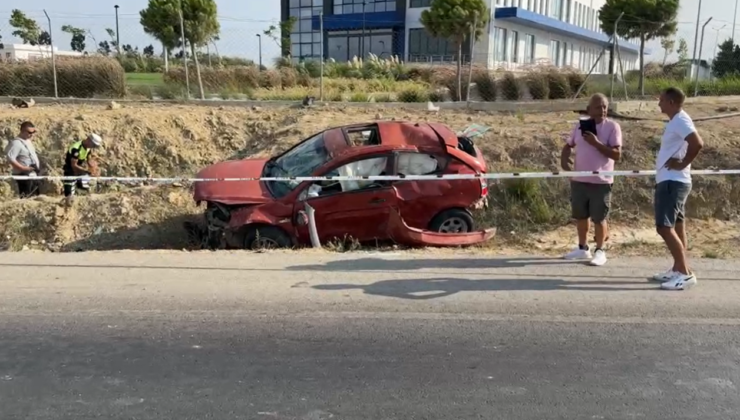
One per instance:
(301,161)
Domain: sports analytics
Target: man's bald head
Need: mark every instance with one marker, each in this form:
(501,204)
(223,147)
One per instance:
(598,106)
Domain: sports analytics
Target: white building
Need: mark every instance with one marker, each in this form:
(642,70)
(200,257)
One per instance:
(520,33)
(14,52)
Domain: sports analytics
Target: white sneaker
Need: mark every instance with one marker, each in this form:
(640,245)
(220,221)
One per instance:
(599,258)
(680,282)
(665,276)
(579,254)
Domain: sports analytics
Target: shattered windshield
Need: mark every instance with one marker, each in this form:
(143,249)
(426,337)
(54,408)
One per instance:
(301,161)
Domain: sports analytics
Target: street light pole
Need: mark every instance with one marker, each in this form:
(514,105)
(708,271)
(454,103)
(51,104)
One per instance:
(734,20)
(118,36)
(260,44)
(696,42)
(701,44)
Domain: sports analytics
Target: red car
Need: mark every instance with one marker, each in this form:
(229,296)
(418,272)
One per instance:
(258,214)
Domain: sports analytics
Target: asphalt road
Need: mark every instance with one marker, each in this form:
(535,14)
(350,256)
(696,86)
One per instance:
(169,335)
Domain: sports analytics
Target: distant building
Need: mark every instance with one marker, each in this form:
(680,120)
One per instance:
(23,52)
(521,32)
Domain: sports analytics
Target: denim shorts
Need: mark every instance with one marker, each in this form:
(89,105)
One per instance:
(670,202)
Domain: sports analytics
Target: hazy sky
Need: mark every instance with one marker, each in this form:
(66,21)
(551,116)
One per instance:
(242,19)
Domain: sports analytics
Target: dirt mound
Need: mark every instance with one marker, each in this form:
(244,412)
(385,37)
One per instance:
(153,141)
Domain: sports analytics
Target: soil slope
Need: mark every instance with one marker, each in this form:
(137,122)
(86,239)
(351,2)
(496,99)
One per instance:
(156,140)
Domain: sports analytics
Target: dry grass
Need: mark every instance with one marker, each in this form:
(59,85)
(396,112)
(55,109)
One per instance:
(179,140)
(83,77)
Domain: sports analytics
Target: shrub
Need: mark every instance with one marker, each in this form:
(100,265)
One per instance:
(436,96)
(288,77)
(575,80)
(538,86)
(486,84)
(510,88)
(413,95)
(236,78)
(270,79)
(558,85)
(82,77)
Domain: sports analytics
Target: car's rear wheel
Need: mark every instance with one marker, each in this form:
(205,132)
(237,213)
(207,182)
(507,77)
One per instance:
(266,237)
(452,221)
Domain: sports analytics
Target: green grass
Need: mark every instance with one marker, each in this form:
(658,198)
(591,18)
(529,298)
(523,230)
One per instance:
(150,79)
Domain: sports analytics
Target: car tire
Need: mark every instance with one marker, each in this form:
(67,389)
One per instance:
(266,237)
(452,221)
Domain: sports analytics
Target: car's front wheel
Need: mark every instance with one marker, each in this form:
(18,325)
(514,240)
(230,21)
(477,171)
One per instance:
(452,221)
(266,237)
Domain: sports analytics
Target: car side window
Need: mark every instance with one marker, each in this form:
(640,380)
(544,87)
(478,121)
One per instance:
(366,136)
(420,163)
(374,166)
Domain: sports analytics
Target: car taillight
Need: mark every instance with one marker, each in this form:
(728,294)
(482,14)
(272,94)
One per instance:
(483,187)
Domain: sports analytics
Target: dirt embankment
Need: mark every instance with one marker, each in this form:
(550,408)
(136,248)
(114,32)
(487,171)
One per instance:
(179,140)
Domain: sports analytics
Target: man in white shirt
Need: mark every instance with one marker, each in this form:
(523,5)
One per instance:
(679,146)
(23,160)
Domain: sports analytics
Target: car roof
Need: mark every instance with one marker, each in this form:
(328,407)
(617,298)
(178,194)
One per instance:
(401,133)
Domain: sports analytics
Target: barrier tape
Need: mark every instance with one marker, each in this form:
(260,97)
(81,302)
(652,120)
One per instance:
(494,176)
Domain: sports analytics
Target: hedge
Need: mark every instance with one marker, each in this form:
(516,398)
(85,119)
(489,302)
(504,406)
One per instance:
(79,77)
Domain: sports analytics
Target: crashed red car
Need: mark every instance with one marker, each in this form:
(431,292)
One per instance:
(257,214)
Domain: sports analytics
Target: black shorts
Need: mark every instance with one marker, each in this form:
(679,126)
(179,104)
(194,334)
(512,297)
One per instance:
(670,202)
(590,201)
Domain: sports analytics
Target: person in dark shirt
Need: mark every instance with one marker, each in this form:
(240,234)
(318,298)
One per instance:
(77,163)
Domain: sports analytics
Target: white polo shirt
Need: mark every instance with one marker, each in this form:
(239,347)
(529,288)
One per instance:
(673,145)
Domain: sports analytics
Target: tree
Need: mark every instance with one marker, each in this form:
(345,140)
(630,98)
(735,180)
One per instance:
(648,19)
(44,38)
(161,19)
(456,20)
(78,37)
(284,31)
(26,29)
(148,51)
(668,44)
(104,48)
(727,61)
(682,50)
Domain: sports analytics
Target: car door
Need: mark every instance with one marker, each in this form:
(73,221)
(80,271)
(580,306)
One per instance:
(351,209)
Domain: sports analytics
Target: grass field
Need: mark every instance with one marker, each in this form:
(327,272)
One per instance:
(151,79)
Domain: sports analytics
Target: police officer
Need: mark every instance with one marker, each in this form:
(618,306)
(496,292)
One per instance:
(77,163)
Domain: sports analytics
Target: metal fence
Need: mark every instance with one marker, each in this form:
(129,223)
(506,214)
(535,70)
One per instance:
(363,63)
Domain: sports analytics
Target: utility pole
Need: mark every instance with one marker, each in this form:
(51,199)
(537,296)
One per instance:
(698,65)
(716,40)
(260,44)
(696,42)
(118,37)
(734,20)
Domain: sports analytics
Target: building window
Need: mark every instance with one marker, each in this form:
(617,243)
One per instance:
(555,52)
(514,48)
(424,47)
(305,42)
(499,52)
(356,6)
(556,9)
(420,3)
(529,48)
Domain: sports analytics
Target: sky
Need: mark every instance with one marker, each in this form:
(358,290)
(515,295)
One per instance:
(241,20)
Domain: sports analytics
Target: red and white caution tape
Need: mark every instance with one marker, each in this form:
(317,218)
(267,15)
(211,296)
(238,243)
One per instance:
(494,176)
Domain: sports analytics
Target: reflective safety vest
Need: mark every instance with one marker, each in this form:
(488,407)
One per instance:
(78,149)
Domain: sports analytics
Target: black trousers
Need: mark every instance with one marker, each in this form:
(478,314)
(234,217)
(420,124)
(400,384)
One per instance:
(70,187)
(28,187)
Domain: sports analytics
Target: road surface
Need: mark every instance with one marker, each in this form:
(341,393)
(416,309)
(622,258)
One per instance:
(176,335)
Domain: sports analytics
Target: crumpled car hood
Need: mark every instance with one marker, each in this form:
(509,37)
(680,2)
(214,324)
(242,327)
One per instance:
(233,192)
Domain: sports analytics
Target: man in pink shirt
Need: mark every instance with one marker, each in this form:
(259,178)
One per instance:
(591,196)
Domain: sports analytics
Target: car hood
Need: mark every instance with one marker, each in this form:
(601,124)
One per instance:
(232,192)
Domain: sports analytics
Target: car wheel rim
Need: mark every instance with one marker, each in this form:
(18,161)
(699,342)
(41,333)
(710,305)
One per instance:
(264,243)
(454,225)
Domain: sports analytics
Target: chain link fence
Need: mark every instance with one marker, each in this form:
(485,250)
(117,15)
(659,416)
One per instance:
(111,56)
